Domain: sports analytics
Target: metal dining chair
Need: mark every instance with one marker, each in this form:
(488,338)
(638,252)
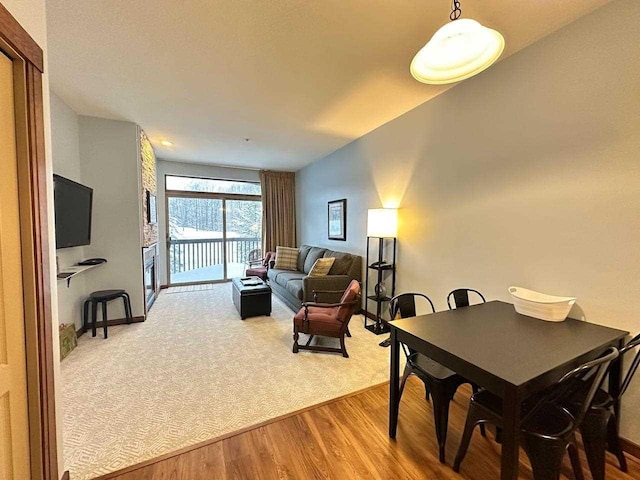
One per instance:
(440,382)
(460,300)
(461,297)
(599,430)
(548,429)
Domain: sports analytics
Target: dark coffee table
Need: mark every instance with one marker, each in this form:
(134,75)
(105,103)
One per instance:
(251,296)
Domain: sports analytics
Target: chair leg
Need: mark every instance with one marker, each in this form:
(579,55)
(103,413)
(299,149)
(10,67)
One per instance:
(483,431)
(127,307)
(545,457)
(405,376)
(440,404)
(343,347)
(94,317)
(473,418)
(296,336)
(85,315)
(574,456)
(594,438)
(104,319)
(613,440)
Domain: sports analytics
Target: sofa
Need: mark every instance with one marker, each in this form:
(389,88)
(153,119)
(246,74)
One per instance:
(295,287)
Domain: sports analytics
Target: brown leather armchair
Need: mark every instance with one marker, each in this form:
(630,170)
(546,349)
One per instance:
(326,319)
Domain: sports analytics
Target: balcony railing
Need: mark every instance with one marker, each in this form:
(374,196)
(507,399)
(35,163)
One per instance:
(186,255)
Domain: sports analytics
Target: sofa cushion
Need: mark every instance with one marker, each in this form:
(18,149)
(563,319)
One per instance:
(285,277)
(314,254)
(342,262)
(274,273)
(286,258)
(294,287)
(303,251)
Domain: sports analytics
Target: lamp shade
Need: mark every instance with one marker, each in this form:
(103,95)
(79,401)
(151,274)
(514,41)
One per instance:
(382,222)
(458,50)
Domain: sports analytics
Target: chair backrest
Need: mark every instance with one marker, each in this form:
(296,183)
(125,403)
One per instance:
(267,258)
(634,343)
(254,255)
(591,376)
(405,305)
(351,297)
(461,297)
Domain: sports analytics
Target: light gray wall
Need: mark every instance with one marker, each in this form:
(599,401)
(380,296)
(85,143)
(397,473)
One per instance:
(164,168)
(65,143)
(110,164)
(526,175)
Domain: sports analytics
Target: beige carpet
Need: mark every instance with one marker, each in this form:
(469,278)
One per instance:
(194,371)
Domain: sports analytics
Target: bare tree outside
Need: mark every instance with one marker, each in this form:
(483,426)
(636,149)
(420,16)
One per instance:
(196,229)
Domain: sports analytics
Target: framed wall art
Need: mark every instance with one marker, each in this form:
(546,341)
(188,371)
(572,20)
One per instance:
(337,219)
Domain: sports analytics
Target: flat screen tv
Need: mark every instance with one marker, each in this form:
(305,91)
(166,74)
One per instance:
(73,212)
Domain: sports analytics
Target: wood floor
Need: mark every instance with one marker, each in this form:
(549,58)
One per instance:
(347,439)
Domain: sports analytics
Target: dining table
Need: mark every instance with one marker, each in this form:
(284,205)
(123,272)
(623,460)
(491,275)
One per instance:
(511,355)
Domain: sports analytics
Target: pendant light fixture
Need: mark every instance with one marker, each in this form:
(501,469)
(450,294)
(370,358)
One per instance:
(460,49)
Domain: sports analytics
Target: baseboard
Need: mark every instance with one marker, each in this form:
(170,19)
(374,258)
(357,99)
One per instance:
(164,287)
(630,447)
(112,323)
(65,476)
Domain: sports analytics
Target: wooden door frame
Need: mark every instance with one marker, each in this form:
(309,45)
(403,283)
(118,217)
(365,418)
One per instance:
(28,60)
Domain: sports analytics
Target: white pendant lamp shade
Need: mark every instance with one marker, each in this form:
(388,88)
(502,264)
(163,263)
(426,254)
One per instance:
(458,50)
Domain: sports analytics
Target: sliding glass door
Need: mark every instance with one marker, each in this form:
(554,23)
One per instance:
(244,227)
(210,235)
(196,240)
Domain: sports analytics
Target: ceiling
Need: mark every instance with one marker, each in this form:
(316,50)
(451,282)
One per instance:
(299,78)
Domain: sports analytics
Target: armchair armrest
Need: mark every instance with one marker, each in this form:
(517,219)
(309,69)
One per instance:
(328,283)
(306,305)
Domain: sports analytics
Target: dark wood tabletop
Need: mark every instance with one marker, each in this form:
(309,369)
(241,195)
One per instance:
(512,347)
(510,354)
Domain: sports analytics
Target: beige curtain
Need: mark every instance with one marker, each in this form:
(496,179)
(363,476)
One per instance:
(278,209)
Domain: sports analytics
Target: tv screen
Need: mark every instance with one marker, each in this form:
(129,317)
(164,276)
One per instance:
(73,212)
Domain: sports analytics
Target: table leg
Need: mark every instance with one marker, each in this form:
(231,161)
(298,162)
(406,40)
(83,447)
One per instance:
(394,383)
(511,434)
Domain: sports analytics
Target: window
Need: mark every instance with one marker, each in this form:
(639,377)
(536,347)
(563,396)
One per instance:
(209,185)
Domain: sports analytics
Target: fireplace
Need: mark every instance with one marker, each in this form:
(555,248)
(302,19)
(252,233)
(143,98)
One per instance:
(150,257)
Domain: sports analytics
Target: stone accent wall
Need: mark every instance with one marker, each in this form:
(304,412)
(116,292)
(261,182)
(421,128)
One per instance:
(148,165)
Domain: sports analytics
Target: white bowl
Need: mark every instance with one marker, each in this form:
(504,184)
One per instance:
(540,305)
